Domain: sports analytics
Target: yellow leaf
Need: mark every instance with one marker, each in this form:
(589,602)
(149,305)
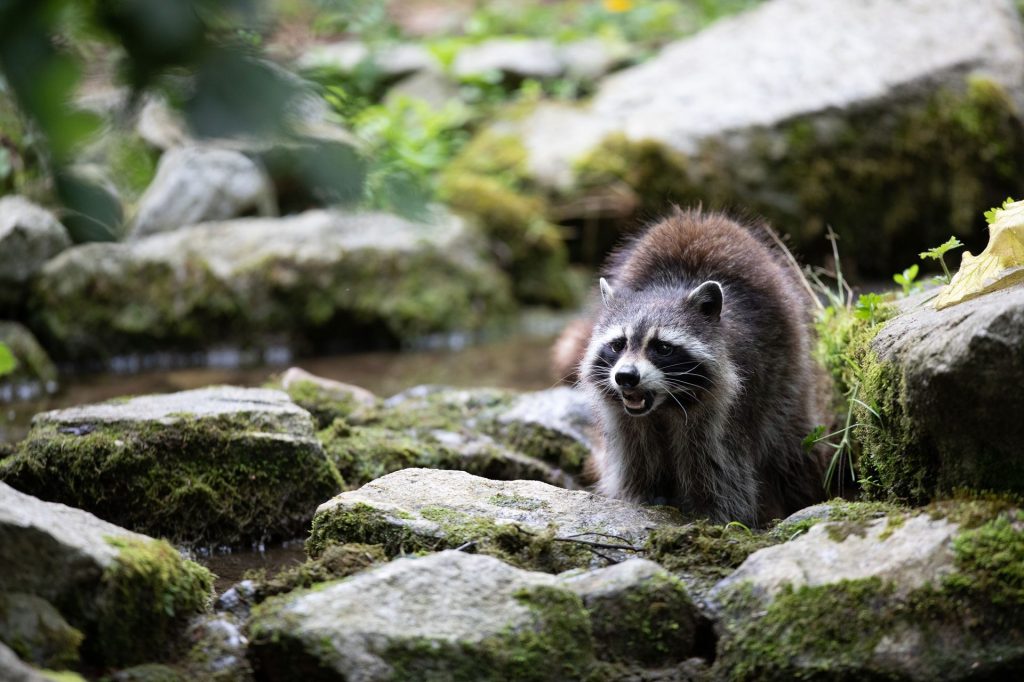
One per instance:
(999,266)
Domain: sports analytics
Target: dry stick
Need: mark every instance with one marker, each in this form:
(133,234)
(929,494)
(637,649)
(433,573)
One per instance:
(792,261)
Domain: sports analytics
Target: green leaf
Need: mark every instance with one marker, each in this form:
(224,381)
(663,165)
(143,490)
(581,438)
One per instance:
(813,437)
(8,363)
(939,251)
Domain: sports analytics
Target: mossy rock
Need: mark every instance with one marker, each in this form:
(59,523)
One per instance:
(325,399)
(916,596)
(318,280)
(888,178)
(527,523)
(450,616)
(37,632)
(130,595)
(941,418)
(220,465)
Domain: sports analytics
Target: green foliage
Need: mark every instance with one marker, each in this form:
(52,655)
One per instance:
(938,253)
(8,363)
(408,143)
(869,307)
(993,213)
(906,279)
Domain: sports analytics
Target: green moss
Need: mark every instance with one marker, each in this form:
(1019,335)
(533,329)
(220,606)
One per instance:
(86,311)
(650,625)
(361,523)
(833,631)
(517,502)
(131,162)
(196,481)
(702,552)
(325,406)
(549,445)
(151,672)
(37,632)
(34,365)
(889,177)
(149,593)
(334,562)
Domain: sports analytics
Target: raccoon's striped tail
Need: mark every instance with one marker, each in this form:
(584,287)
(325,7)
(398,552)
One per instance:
(567,353)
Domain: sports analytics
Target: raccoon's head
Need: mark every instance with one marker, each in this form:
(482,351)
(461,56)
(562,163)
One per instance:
(657,348)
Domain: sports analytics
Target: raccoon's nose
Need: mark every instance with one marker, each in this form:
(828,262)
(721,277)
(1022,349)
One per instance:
(628,376)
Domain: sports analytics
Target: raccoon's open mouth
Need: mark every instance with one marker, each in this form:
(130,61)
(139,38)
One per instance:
(637,402)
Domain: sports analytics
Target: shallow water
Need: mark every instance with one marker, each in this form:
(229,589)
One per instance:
(518,361)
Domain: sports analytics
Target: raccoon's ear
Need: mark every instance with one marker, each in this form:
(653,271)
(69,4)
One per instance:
(607,293)
(708,298)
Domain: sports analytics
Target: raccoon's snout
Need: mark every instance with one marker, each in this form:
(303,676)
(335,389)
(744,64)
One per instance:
(628,377)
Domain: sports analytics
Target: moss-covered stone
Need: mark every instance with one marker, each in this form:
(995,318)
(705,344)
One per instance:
(961,621)
(372,280)
(703,553)
(325,399)
(37,632)
(243,467)
(149,593)
(889,177)
(150,672)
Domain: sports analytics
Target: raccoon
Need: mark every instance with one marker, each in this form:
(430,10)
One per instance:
(700,370)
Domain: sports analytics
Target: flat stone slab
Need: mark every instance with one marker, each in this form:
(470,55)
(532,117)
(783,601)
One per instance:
(913,595)
(449,615)
(128,593)
(324,277)
(518,520)
(217,465)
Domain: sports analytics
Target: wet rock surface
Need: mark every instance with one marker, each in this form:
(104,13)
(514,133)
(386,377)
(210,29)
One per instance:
(311,279)
(944,378)
(216,465)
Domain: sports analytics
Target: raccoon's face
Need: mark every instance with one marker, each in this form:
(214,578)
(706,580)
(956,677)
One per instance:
(649,351)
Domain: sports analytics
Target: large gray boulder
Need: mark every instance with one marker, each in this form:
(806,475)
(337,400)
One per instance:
(129,594)
(30,235)
(812,113)
(453,615)
(200,184)
(13,669)
(386,61)
(317,279)
(945,383)
(529,523)
(510,57)
(218,465)
(914,596)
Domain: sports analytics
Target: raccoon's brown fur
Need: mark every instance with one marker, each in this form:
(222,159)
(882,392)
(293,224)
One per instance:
(700,370)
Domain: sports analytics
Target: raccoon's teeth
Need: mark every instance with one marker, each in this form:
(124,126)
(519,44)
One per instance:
(634,403)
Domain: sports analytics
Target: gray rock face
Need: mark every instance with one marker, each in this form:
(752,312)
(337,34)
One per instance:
(916,596)
(556,425)
(510,57)
(424,508)
(29,236)
(453,615)
(325,399)
(955,418)
(160,126)
(431,87)
(197,184)
(808,113)
(37,631)
(591,58)
(129,594)
(639,612)
(446,616)
(371,277)
(51,550)
(35,374)
(13,669)
(215,465)
(755,70)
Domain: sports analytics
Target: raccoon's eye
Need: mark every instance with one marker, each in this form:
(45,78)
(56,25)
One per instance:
(663,348)
(617,345)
